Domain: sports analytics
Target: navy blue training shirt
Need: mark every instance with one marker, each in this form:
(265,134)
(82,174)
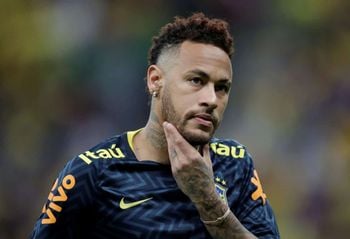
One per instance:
(106,192)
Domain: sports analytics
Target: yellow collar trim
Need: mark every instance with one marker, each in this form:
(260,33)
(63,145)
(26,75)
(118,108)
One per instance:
(131,135)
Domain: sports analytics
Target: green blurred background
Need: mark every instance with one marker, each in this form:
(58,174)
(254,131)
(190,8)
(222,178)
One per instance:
(71,74)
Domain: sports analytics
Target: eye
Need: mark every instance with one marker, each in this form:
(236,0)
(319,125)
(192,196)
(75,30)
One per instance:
(196,81)
(223,88)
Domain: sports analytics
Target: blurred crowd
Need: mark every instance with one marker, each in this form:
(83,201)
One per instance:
(72,74)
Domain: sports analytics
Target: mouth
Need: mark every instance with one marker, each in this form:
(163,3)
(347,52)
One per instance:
(204,119)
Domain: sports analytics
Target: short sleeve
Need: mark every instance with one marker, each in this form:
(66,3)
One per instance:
(255,212)
(70,199)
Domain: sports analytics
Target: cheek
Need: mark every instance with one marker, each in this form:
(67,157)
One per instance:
(181,107)
(182,101)
(221,108)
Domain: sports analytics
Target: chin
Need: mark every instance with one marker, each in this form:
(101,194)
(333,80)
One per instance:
(196,136)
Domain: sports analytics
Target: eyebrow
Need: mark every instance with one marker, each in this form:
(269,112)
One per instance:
(198,72)
(206,76)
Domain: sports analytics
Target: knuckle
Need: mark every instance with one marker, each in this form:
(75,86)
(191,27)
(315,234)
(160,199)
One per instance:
(178,141)
(182,166)
(186,164)
(194,159)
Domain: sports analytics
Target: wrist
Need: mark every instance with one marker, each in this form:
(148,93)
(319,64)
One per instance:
(219,220)
(211,208)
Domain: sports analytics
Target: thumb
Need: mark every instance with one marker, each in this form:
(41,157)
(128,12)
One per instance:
(206,155)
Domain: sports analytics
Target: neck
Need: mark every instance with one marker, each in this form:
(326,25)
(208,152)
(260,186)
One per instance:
(150,143)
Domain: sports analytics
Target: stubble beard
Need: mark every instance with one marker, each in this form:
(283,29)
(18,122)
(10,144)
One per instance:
(170,115)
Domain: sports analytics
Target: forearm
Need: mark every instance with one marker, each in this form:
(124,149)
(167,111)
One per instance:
(229,227)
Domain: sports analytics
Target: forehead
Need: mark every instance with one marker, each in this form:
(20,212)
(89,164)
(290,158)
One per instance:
(205,57)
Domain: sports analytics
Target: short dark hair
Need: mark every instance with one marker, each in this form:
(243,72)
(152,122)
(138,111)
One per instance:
(196,28)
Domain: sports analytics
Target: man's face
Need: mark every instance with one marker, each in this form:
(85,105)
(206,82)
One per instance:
(195,90)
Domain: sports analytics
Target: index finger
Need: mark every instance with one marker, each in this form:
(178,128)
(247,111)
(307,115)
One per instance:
(175,139)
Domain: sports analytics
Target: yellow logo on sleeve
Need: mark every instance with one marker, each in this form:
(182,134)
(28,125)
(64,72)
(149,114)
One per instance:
(258,193)
(68,183)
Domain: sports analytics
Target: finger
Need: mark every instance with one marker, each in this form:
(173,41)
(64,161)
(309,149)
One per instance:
(206,155)
(171,132)
(167,133)
(171,147)
(169,139)
(175,139)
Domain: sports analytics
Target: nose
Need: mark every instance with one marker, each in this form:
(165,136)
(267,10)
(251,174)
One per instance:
(208,97)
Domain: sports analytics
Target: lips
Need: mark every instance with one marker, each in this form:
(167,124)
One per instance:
(204,116)
(204,119)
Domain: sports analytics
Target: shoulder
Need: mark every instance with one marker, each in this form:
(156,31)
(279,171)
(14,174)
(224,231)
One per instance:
(112,148)
(93,160)
(84,169)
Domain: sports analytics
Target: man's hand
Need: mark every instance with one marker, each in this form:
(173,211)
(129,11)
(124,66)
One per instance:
(192,171)
(194,176)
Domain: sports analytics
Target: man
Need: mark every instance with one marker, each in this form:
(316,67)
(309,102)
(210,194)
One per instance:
(170,179)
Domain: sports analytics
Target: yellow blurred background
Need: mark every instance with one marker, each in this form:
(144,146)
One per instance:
(71,75)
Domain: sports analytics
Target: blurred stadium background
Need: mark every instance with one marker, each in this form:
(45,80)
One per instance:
(71,74)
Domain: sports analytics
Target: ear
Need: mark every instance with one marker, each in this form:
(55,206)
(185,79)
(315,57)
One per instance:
(154,78)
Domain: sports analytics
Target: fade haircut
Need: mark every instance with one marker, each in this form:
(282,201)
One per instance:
(196,28)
